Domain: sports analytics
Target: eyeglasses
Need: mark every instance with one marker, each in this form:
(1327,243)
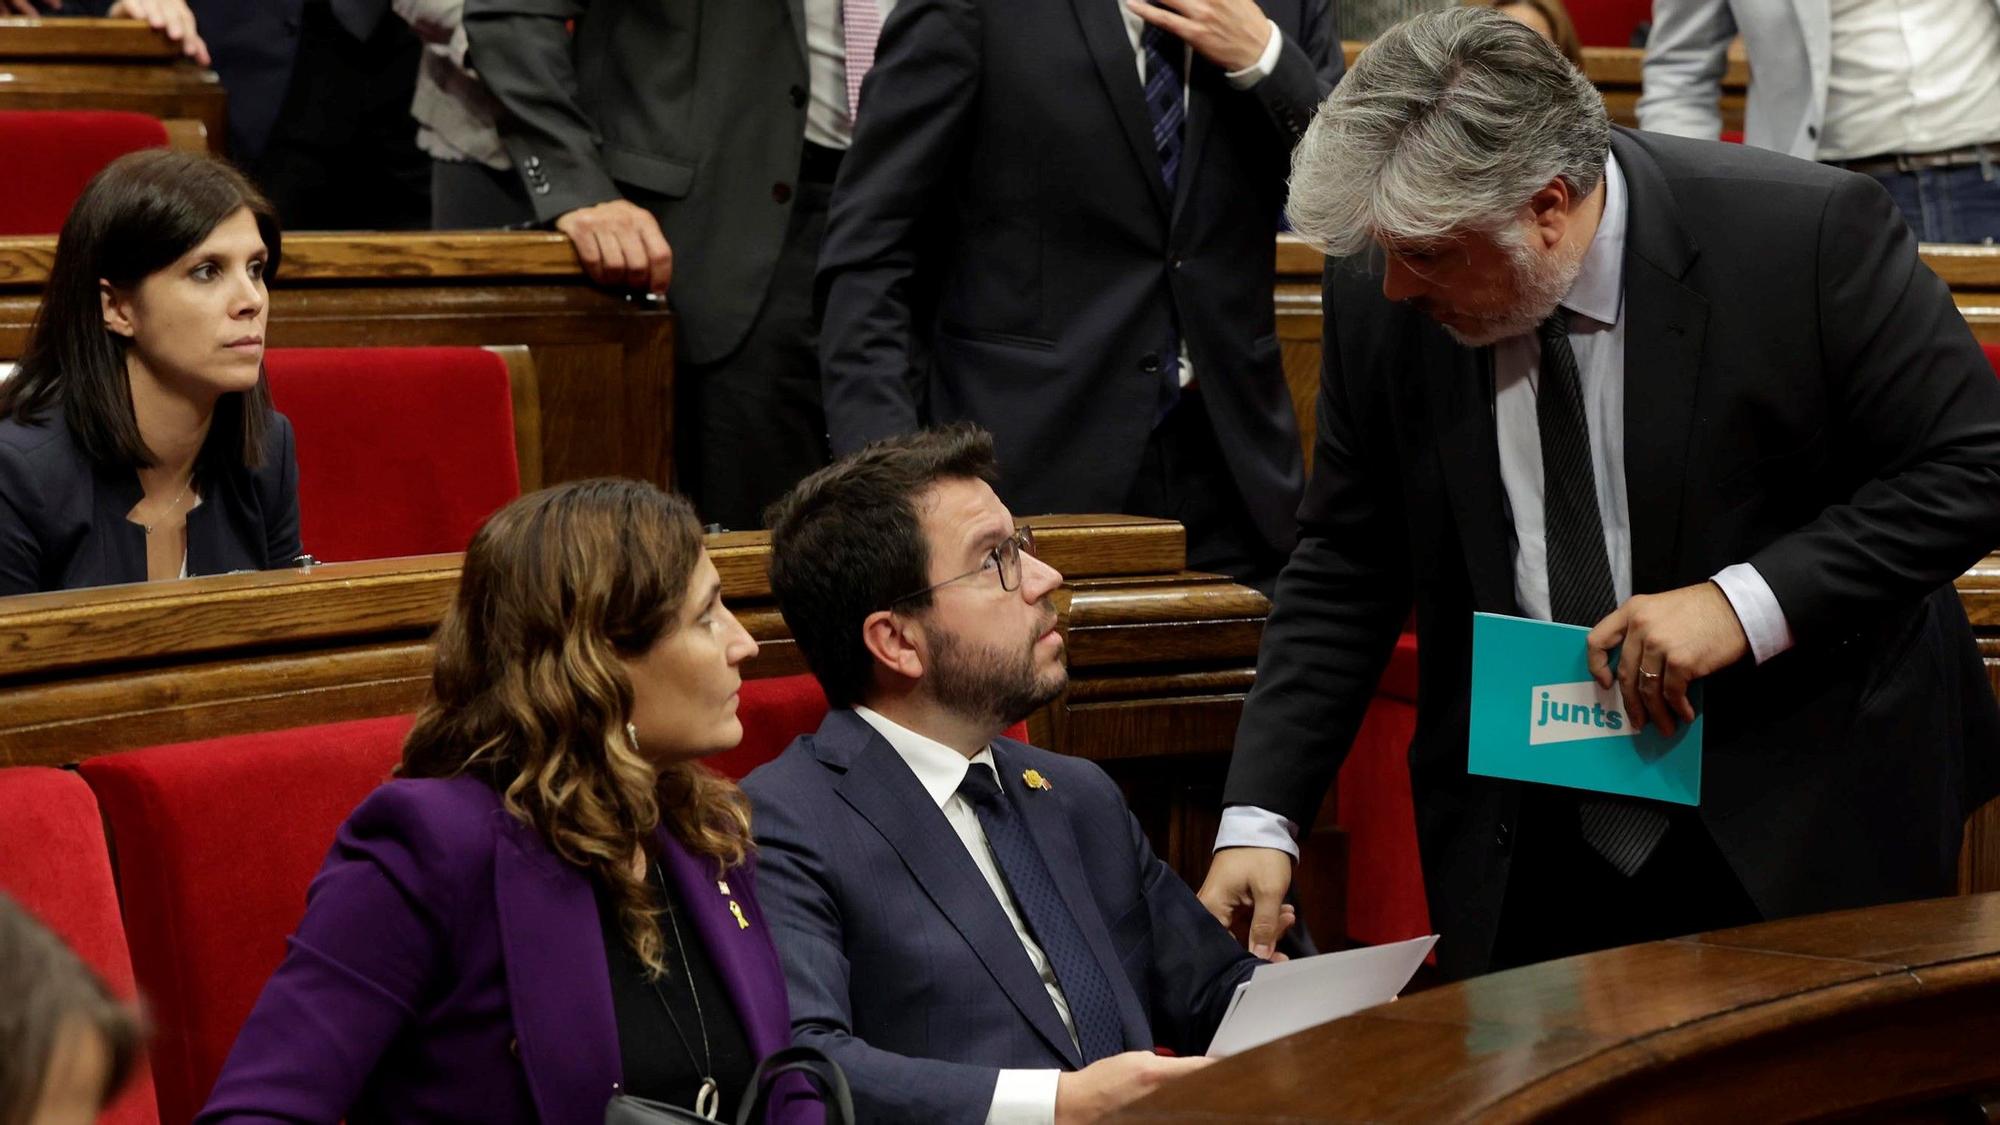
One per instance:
(1005,558)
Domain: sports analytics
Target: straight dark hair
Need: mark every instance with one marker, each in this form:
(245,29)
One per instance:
(136,217)
(848,541)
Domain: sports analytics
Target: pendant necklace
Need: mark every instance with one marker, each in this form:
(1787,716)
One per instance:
(172,507)
(708,1097)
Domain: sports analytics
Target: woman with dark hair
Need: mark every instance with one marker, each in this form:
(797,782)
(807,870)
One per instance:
(137,439)
(553,903)
(67,1046)
(1546,18)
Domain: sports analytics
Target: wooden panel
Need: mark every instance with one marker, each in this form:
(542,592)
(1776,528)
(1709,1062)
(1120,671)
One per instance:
(1891,1009)
(109,64)
(603,363)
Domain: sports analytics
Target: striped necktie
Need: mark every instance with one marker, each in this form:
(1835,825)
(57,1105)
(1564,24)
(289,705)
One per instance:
(861,25)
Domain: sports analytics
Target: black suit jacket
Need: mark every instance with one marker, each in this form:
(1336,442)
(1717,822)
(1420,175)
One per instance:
(62,515)
(1802,395)
(1003,164)
(694,110)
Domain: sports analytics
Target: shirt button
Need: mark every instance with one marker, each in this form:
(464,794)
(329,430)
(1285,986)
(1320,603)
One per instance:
(1812,132)
(781,193)
(1176,263)
(1149,363)
(798,96)
(1503,836)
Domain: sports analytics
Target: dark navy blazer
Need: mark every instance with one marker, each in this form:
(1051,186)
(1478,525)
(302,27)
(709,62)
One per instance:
(63,525)
(900,962)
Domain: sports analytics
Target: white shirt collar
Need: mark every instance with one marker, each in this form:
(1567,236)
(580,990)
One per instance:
(938,767)
(1599,289)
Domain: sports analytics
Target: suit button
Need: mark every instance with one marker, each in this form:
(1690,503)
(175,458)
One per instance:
(1503,837)
(798,96)
(1176,263)
(781,193)
(1812,132)
(1149,363)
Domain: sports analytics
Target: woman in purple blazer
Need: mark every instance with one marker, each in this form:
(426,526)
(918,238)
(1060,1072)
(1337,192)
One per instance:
(554,902)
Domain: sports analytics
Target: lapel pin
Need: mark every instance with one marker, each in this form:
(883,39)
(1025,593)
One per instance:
(1034,780)
(721,886)
(742,923)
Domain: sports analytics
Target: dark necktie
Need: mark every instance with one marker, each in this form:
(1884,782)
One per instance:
(1166,104)
(1092,1005)
(1580,589)
(360,17)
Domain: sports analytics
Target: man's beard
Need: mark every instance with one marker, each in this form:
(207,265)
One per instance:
(1542,279)
(990,684)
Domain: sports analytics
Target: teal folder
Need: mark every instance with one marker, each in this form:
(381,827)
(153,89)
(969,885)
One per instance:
(1538,716)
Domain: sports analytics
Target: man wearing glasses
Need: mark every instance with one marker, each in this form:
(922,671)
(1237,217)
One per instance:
(974,929)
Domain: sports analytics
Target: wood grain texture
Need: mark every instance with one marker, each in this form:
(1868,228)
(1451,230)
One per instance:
(110,64)
(81,37)
(1890,1008)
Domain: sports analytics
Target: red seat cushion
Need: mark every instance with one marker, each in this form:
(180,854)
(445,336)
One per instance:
(53,862)
(1993,356)
(216,842)
(52,154)
(402,451)
(1385,880)
(1608,23)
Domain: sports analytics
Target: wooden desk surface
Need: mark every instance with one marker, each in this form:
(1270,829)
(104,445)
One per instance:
(1785,1021)
(122,64)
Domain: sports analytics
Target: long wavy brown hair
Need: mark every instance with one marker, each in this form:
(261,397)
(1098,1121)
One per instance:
(527,691)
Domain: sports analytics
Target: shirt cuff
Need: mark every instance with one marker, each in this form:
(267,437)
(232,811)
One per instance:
(1756,608)
(1247,826)
(1266,63)
(1024,1097)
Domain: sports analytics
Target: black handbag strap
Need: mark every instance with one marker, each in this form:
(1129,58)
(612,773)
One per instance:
(810,1061)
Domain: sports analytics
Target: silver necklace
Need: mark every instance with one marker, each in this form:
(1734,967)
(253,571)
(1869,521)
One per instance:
(708,1098)
(171,508)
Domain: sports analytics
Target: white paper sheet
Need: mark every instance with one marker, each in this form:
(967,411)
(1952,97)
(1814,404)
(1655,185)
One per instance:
(1291,996)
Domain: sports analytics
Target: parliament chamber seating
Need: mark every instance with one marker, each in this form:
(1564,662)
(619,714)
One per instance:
(121,65)
(65,148)
(1610,23)
(1993,356)
(402,451)
(54,865)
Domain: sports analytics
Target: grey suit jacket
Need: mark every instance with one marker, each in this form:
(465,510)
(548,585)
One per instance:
(1789,44)
(694,110)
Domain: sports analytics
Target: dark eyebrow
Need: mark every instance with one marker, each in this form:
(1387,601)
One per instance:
(713,599)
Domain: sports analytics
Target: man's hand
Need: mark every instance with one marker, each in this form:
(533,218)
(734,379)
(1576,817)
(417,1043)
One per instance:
(619,243)
(1232,34)
(170,18)
(1250,881)
(1666,642)
(28,7)
(1083,1096)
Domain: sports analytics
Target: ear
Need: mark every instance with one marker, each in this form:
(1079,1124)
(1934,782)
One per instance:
(1550,209)
(895,643)
(117,309)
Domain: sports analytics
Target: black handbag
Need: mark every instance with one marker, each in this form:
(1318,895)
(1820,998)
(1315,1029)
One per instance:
(624,1109)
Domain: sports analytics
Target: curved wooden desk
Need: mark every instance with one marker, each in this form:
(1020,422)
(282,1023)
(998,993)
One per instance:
(1891,1013)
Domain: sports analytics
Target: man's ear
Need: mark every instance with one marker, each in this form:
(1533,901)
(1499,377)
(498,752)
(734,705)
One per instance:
(1550,209)
(117,309)
(895,643)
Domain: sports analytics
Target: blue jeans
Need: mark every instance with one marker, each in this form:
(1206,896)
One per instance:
(1959,204)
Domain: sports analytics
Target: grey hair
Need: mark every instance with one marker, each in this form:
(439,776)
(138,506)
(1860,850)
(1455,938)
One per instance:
(1451,121)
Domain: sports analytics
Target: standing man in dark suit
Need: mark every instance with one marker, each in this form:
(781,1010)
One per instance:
(974,929)
(1705,399)
(1069,204)
(697,142)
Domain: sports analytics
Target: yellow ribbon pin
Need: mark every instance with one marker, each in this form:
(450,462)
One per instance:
(742,923)
(1035,780)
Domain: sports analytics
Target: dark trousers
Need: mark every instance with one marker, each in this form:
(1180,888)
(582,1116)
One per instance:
(1183,477)
(1563,898)
(751,425)
(343,155)
(1959,204)
(467,195)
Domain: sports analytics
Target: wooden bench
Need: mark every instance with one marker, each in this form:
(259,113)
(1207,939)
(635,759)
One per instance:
(63,63)
(603,363)
(1887,1014)
(1617,72)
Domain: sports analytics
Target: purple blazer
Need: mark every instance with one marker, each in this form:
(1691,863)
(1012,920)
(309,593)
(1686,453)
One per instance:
(451,968)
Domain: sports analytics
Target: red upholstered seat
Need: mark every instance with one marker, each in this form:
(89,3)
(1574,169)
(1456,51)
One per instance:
(216,842)
(402,451)
(776,710)
(1385,881)
(1993,356)
(53,863)
(1608,23)
(52,154)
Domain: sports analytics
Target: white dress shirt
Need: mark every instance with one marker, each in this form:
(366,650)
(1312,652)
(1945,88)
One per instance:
(1596,303)
(1020,1097)
(1911,76)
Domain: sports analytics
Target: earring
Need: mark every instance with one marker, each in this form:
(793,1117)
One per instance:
(632,736)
